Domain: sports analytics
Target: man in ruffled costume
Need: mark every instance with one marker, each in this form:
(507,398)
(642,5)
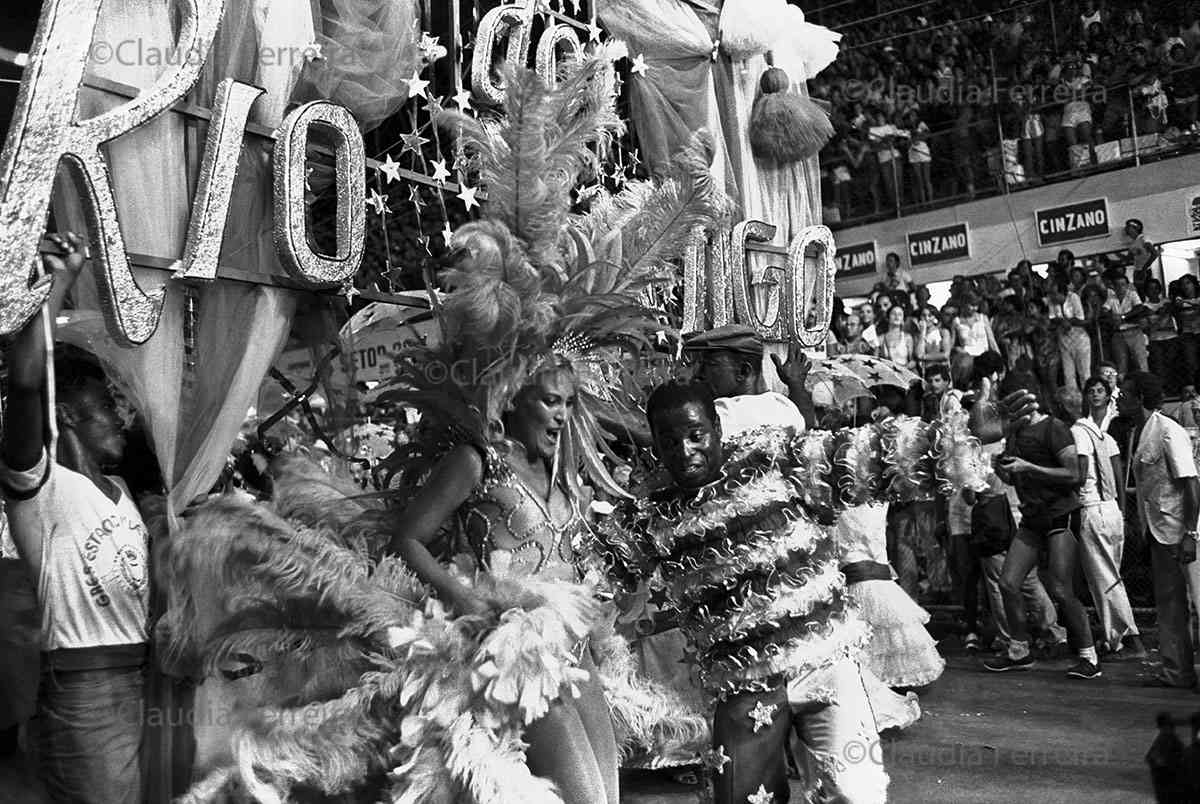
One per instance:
(754,578)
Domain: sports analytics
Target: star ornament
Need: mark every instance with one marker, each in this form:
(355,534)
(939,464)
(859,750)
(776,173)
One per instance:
(416,86)
(762,715)
(462,99)
(467,196)
(593,32)
(440,174)
(389,168)
(377,202)
(761,796)
(639,66)
(716,760)
(349,291)
(447,234)
(412,142)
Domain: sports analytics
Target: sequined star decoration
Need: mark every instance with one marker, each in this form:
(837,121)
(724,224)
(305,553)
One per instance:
(762,715)
(349,291)
(761,797)
(447,234)
(430,49)
(593,32)
(312,52)
(440,173)
(462,99)
(377,202)
(416,86)
(412,142)
(639,66)
(423,242)
(389,168)
(414,197)
(467,196)
(716,759)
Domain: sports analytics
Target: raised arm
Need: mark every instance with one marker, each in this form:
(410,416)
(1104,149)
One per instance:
(25,411)
(448,487)
(794,373)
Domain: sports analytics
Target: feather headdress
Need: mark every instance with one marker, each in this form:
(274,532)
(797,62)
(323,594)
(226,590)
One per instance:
(534,286)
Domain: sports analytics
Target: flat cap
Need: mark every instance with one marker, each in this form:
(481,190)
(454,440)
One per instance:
(736,338)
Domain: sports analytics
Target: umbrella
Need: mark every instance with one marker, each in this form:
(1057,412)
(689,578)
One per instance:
(833,383)
(869,370)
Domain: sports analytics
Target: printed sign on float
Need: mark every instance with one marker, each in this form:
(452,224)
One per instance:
(1193,215)
(938,245)
(1082,220)
(856,260)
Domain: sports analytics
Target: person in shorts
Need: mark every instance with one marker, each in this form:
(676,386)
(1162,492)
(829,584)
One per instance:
(1040,460)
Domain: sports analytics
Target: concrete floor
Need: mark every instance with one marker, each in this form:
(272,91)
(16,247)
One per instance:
(985,738)
(1035,736)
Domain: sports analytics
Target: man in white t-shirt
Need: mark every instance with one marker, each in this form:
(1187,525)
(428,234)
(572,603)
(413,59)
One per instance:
(1125,308)
(86,548)
(1102,524)
(1168,494)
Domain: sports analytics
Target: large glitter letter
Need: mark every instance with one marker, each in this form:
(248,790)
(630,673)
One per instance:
(44,131)
(513,20)
(231,109)
(554,38)
(291,227)
(810,280)
(744,306)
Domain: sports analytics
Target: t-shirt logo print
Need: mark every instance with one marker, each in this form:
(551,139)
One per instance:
(115,556)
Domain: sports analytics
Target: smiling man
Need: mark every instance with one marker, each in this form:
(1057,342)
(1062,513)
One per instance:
(755,585)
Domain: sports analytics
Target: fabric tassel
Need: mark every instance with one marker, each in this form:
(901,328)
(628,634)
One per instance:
(786,127)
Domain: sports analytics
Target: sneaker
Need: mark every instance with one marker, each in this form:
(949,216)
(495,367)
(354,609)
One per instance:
(1003,663)
(971,643)
(1084,669)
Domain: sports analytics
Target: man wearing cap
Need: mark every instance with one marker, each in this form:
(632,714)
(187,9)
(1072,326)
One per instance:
(729,361)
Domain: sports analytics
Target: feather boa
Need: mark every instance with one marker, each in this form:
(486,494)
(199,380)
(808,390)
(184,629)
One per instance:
(367,683)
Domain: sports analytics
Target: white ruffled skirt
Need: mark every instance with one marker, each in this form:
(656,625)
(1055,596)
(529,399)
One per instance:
(901,652)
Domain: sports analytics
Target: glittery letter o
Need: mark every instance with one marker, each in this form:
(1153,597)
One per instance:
(350,166)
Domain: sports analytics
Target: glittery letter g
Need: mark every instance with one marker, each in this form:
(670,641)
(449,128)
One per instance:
(45,131)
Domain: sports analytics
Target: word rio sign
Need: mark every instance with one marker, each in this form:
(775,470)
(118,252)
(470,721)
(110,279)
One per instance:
(45,132)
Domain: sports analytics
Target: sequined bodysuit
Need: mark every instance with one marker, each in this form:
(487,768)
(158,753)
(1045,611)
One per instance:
(514,531)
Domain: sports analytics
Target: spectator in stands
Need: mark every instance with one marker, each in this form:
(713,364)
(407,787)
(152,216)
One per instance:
(972,335)
(854,343)
(1102,524)
(1168,494)
(1126,313)
(895,277)
(1075,76)
(1070,326)
(1163,334)
(1187,315)
(896,342)
(1182,80)
(920,158)
(934,341)
(1142,253)
(866,317)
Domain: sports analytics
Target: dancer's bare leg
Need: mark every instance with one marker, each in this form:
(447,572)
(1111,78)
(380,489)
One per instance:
(561,749)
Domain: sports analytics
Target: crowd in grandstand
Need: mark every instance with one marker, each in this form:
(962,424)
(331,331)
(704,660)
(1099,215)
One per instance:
(937,99)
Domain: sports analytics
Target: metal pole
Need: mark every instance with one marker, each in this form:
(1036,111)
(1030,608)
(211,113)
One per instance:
(1137,157)
(1053,25)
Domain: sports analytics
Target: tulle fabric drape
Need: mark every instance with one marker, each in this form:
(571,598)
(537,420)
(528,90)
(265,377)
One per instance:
(368,48)
(193,414)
